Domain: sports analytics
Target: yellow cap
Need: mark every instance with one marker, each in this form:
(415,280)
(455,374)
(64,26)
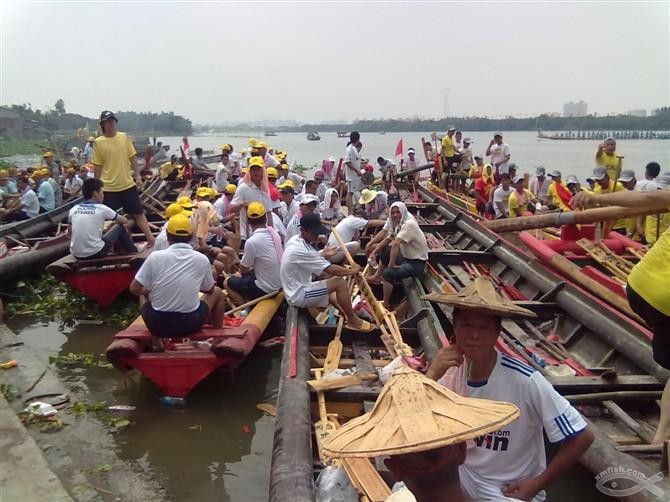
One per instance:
(287,183)
(252,141)
(91,138)
(173,209)
(203,192)
(256,161)
(272,172)
(226,147)
(185,202)
(230,188)
(3,173)
(255,210)
(244,171)
(47,154)
(261,144)
(179,225)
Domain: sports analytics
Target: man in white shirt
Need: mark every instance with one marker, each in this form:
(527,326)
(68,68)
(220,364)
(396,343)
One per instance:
(269,160)
(501,197)
(308,205)
(259,271)
(499,153)
(349,230)
(169,283)
(252,189)
(286,175)
(290,206)
(510,462)
(301,263)
(651,172)
(28,206)
(87,220)
(73,183)
(352,170)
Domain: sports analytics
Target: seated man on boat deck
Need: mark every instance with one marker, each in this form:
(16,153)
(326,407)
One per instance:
(521,201)
(308,205)
(86,224)
(403,251)
(45,192)
(169,283)
(28,205)
(259,270)
(511,462)
(73,183)
(349,230)
(301,263)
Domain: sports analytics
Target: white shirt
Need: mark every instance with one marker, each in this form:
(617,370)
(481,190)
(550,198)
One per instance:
(540,190)
(30,204)
(279,227)
(292,228)
(74,184)
(246,194)
(501,195)
(347,230)
(517,451)
(352,156)
(175,276)
(291,211)
(498,153)
(161,239)
(221,176)
(87,220)
(299,265)
(260,254)
(646,186)
(270,161)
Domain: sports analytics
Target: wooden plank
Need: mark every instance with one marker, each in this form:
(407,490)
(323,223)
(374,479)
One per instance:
(343,381)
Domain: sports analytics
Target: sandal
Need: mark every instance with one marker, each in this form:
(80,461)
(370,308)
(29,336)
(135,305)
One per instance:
(365,327)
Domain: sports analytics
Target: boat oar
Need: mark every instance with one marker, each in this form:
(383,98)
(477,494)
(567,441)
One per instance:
(251,303)
(594,215)
(334,349)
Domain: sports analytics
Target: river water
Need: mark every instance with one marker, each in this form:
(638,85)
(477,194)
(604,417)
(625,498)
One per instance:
(570,157)
(218,446)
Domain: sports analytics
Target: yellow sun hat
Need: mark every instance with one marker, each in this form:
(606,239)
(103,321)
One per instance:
(255,210)
(272,172)
(256,162)
(180,225)
(173,209)
(367,196)
(185,202)
(230,188)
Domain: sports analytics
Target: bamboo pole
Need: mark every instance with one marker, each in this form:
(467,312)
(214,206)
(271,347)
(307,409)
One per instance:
(568,218)
(250,303)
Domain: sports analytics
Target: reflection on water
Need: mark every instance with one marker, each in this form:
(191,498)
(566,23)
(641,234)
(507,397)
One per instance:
(217,447)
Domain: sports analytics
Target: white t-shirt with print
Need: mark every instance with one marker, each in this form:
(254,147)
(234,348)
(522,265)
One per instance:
(300,264)
(87,220)
(501,195)
(347,229)
(498,153)
(516,451)
(175,276)
(246,194)
(260,254)
(354,158)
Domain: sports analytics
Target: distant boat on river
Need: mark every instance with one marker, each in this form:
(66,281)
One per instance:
(269,133)
(342,134)
(313,136)
(602,135)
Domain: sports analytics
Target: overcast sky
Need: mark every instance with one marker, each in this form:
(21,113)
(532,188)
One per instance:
(321,61)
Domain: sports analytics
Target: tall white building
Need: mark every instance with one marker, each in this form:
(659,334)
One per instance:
(578,109)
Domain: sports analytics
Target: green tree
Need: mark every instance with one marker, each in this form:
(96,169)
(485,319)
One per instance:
(60,106)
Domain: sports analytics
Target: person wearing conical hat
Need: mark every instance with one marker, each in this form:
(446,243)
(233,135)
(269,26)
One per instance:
(424,427)
(511,462)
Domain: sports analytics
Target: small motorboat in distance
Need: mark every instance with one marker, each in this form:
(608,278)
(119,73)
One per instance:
(313,136)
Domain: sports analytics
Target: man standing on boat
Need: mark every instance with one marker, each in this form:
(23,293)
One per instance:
(253,188)
(352,170)
(647,288)
(169,283)
(448,155)
(113,158)
(500,155)
(512,461)
(607,157)
(301,263)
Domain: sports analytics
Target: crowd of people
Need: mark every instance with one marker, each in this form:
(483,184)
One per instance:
(250,226)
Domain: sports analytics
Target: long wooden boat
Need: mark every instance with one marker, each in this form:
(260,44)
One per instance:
(597,357)
(185,363)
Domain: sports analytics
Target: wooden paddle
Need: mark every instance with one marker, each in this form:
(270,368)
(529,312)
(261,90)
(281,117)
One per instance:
(334,349)
(250,303)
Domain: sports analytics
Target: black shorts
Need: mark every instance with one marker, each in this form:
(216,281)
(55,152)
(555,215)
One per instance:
(660,326)
(127,199)
(406,268)
(174,324)
(246,285)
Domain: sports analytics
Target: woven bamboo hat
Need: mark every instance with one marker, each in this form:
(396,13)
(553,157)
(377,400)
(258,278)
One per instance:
(481,295)
(413,414)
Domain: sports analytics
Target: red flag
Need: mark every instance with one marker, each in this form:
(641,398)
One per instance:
(398,149)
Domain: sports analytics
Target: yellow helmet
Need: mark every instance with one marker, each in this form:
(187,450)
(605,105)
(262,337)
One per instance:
(255,210)
(179,225)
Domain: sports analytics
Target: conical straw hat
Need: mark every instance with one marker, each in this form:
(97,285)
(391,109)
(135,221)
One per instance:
(481,295)
(412,414)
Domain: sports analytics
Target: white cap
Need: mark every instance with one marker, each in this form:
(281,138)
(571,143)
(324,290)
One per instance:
(308,198)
